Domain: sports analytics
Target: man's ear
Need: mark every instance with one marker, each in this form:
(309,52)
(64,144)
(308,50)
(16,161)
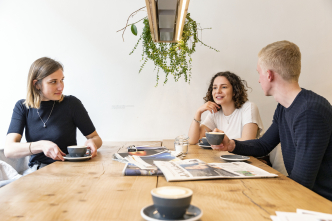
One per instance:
(270,75)
(34,82)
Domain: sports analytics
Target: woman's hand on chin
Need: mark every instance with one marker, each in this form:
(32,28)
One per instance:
(209,106)
(92,146)
(52,150)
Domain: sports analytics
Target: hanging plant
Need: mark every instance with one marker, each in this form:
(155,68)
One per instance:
(171,58)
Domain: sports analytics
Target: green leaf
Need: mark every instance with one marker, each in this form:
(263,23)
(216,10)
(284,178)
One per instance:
(174,59)
(134,29)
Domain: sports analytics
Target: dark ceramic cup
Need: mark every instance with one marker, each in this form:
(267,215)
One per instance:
(203,141)
(171,202)
(214,138)
(78,151)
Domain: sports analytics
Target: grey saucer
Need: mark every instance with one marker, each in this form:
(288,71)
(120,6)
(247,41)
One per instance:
(234,157)
(205,146)
(77,159)
(150,213)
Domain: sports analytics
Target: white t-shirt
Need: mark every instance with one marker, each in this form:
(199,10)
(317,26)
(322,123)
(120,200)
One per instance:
(233,124)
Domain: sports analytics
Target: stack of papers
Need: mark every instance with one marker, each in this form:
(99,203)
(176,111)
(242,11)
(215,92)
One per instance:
(301,215)
(141,161)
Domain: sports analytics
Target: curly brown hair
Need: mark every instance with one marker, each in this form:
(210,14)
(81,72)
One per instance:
(239,88)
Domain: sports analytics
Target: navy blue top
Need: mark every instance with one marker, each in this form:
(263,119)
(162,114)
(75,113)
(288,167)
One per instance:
(60,127)
(304,130)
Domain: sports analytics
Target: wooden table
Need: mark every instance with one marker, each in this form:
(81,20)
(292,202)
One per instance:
(97,190)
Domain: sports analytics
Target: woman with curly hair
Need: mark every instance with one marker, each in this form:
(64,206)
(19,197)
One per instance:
(229,110)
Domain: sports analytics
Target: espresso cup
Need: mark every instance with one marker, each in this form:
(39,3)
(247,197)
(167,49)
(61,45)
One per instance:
(214,138)
(203,141)
(171,202)
(78,151)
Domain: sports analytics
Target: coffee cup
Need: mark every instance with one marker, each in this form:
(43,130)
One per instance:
(171,202)
(203,141)
(78,151)
(214,138)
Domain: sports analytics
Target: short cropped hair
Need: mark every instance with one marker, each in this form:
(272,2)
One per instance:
(282,57)
(239,86)
(39,70)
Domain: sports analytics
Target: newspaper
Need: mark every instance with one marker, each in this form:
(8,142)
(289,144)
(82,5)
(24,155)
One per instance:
(301,215)
(195,169)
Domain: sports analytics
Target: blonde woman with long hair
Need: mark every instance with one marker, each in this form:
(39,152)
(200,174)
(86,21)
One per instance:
(48,118)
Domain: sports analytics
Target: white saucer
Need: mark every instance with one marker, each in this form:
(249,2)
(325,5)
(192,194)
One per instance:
(150,213)
(205,146)
(234,157)
(76,159)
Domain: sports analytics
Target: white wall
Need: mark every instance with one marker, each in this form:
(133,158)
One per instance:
(125,105)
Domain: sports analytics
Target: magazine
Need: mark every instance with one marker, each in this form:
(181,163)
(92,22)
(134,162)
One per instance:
(195,169)
(141,153)
(137,166)
(133,170)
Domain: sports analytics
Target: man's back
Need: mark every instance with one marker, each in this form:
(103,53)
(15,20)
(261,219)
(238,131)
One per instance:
(305,130)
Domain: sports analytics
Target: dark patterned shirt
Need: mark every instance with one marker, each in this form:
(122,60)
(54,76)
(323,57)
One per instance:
(304,130)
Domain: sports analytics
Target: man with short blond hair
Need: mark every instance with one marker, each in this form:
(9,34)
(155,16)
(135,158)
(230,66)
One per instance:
(284,58)
(302,122)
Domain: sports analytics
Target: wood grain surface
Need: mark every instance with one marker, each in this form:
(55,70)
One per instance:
(88,190)
(97,190)
(246,199)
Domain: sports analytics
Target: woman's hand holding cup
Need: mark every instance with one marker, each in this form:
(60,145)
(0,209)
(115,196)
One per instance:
(92,146)
(52,150)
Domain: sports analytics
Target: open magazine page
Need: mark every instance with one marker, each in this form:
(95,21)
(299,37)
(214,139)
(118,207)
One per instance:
(195,169)
(137,166)
(141,153)
(133,170)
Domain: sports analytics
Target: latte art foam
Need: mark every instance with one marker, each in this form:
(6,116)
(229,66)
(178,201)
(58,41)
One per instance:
(214,132)
(77,147)
(171,192)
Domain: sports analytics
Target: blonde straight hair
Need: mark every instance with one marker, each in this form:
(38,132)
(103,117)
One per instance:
(284,58)
(39,69)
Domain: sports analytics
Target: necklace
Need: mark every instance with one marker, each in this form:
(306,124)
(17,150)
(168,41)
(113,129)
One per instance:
(48,116)
(228,117)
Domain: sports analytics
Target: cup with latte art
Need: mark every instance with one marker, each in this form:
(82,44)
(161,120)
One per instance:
(171,202)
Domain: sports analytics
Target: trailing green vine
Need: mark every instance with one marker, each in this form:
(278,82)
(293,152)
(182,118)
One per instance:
(172,58)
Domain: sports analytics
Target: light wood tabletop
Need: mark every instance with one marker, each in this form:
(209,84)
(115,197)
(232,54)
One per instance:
(97,190)
(246,199)
(88,190)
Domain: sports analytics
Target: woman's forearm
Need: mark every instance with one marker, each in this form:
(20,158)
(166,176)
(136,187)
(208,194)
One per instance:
(18,150)
(97,140)
(195,129)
